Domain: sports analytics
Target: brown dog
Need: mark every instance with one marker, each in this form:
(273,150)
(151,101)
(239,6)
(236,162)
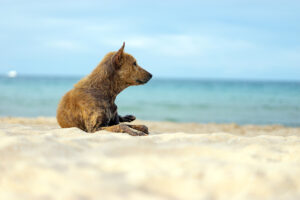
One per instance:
(90,105)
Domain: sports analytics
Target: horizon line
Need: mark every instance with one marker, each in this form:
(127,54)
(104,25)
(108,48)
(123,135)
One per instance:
(161,78)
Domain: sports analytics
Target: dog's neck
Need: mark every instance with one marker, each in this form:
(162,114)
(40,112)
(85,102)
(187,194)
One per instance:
(103,80)
(109,86)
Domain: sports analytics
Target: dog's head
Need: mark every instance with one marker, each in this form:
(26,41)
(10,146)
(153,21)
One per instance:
(127,68)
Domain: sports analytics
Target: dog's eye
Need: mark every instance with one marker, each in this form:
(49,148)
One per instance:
(134,64)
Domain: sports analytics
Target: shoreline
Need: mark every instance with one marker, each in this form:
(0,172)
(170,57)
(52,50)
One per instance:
(169,127)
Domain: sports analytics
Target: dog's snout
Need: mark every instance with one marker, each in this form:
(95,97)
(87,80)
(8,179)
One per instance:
(150,75)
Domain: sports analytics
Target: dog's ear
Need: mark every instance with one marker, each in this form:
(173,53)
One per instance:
(117,58)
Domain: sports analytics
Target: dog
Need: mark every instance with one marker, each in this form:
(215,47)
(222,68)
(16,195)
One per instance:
(90,105)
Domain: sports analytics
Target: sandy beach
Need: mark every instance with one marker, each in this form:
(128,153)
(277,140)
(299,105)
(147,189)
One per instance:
(39,160)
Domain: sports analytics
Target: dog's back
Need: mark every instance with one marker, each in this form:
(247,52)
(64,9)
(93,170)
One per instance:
(69,111)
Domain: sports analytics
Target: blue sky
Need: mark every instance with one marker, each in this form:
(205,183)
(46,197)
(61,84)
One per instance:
(174,39)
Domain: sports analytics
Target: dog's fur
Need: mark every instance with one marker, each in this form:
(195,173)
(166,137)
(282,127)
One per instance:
(90,105)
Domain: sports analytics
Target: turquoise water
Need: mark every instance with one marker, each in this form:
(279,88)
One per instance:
(201,101)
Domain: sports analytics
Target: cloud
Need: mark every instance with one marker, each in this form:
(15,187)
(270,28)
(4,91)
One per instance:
(65,45)
(182,45)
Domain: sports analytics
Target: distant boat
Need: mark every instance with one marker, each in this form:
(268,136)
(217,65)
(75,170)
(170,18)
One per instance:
(12,74)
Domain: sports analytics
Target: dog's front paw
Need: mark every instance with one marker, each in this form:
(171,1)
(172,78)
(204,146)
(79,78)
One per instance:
(141,128)
(135,132)
(128,118)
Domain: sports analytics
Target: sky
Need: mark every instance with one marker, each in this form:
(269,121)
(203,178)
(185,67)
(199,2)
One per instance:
(222,39)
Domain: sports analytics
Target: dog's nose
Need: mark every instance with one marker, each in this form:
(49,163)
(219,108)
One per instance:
(150,75)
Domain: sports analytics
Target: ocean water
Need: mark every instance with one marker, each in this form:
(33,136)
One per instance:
(203,101)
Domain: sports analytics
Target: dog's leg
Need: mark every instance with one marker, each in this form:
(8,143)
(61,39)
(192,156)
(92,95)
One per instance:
(127,118)
(124,128)
(93,121)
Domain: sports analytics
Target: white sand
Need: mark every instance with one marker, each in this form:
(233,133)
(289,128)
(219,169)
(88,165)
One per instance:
(38,160)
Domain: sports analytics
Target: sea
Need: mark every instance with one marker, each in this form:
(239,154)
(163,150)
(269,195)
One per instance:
(176,100)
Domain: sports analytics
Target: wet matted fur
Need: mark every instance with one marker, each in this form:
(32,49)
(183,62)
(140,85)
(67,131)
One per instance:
(90,105)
